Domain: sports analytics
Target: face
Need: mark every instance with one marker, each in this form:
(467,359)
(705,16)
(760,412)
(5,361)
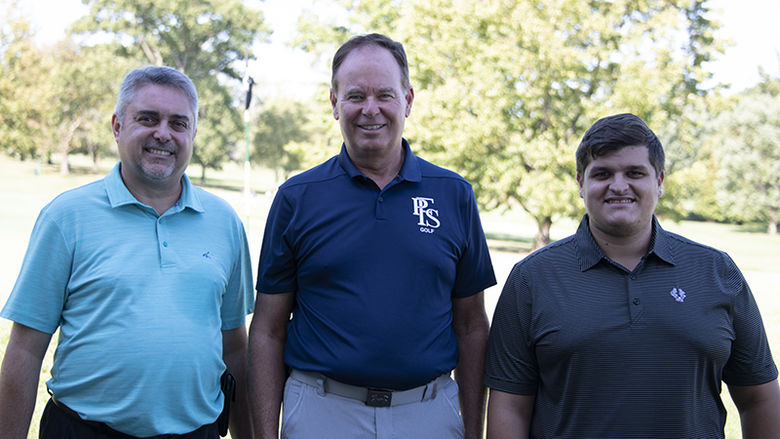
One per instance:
(155,138)
(370,103)
(620,190)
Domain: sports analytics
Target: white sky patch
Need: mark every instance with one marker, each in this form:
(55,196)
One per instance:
(283,71)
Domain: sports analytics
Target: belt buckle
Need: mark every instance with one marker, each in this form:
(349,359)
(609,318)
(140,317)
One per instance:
(378,397)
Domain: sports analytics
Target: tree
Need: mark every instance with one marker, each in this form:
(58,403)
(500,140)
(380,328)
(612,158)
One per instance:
(205,39)
(749,156)
(279,125)
(83,88)
(505,88)
(22,68)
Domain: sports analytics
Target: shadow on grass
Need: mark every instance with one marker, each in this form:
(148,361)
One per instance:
(750,228)
(505,242)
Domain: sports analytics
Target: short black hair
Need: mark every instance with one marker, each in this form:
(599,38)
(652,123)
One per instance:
(395,48)
(615,132)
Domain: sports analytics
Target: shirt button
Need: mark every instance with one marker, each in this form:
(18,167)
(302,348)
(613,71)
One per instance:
(381,199)
(636,301)
(165,243)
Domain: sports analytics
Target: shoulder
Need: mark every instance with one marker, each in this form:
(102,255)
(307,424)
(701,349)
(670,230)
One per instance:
(321,173)
(695,257)
(429,170)
(686,249)
(212,201)
(78,200)
(546,261)
(552,252)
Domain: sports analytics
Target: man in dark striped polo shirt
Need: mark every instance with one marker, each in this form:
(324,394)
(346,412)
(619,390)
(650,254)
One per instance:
(624,330)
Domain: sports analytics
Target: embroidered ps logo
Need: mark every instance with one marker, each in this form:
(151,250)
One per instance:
(678,294)
(427,218)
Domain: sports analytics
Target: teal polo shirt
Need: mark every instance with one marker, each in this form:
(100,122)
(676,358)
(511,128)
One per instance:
(141,301)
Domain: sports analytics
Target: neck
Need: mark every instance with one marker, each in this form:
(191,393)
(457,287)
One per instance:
(160,198)
(381,169)
(625,250)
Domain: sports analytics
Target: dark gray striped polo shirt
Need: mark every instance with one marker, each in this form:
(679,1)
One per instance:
(616,354)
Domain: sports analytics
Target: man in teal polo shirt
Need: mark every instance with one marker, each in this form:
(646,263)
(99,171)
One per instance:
(148,279)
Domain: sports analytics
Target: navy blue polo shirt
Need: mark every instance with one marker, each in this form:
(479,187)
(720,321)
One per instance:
(374,271)
(627,354)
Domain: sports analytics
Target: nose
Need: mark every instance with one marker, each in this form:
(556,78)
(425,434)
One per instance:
(163,132)
(618,184)
(370,107)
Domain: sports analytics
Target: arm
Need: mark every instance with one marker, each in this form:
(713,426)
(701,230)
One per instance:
(470,323)
(509,415)
(759,409)
(267,337)
(19,379)
(234,343)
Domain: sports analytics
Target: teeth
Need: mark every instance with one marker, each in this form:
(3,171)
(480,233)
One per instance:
(159,151)
(371,127)
(620,201)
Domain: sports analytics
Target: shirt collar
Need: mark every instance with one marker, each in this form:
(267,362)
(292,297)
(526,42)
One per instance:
(410,170)
(589,253)
(119,195)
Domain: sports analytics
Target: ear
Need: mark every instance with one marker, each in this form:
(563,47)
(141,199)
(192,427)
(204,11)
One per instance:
(579,183)
(409,99)
(660,183)
(115,126)
(333,102)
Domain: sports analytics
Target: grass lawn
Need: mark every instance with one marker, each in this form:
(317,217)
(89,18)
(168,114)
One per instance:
(25,189)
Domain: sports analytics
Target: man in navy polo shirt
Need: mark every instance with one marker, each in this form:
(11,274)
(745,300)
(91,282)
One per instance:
(624,330)
(381,259)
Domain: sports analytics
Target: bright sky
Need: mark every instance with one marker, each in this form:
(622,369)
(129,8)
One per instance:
(750,24)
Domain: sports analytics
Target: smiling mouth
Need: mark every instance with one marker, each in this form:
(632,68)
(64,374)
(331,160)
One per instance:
(160,152)
(371,127)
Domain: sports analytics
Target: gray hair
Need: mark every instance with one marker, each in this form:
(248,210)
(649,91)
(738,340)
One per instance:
(165,76)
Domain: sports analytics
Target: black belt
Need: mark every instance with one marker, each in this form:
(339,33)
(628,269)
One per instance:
(372,397)
(105,428)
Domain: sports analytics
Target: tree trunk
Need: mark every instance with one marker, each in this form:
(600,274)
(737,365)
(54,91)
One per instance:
(772,228)
(94,156)
(202,175)
(65,140)
(542,237)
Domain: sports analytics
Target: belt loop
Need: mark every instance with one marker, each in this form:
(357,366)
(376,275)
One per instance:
(321,385)
(435,388)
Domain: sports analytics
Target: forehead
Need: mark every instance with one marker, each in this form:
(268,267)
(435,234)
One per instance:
(161,99)
(627,156)
(369,66)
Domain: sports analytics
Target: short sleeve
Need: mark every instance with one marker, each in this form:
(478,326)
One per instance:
(239,295)
(751,361)
(474,269)
(276,271)
(511,361)
(39,294)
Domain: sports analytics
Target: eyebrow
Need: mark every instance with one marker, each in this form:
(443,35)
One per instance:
(158,114)
(628,168)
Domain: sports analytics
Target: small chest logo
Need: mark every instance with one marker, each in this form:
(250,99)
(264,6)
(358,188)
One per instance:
(427,217)
(678,294)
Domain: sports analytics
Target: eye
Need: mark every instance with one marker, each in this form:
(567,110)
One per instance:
(146,120)
(180,125)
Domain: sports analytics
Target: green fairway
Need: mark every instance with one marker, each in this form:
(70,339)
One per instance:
(24,191)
